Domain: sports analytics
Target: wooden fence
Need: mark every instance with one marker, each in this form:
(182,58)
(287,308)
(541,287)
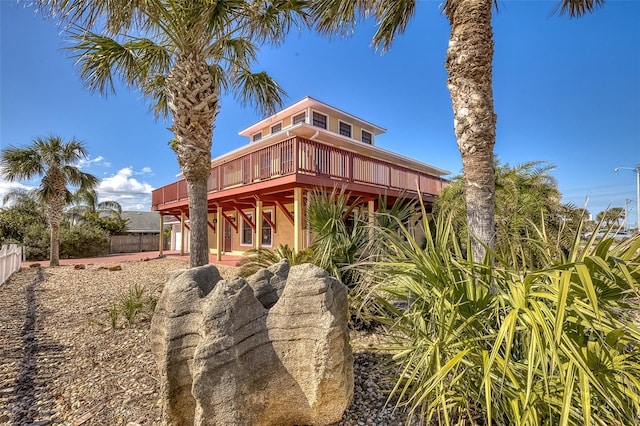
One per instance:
(10,258)
(136,243)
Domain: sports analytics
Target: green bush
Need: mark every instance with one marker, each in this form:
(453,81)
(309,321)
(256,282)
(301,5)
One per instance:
(83,241)
(481,343)
(35,240)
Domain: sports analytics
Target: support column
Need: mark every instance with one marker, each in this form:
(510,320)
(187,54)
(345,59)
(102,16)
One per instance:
(371,218)
(181,233)
(298,220)
(258,242)
(219,232)
(161,243)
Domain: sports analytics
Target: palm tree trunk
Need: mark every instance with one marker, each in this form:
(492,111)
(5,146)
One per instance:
(199,250)
(193,101)
(469,68)
(54,216)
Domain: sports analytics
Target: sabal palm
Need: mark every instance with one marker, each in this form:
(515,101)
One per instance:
(55,161)
(86,203)
(526,196)
(182,55)
(469,68)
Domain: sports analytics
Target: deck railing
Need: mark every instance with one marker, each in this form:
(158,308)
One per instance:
(303,156)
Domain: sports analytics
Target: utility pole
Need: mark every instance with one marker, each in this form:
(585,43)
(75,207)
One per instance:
(636,169)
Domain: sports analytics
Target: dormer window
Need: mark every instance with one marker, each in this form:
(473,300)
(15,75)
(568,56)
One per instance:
(299,118)
(345,129)
(319,120)
(256,136)
(367,137)
(276,128)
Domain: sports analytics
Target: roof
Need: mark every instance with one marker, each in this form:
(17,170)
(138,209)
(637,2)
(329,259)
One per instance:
(142,221)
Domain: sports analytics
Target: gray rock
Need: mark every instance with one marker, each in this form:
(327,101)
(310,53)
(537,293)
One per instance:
(270,350)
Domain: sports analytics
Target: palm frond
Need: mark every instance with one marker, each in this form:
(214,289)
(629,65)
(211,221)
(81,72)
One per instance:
(258,90)
(577,8)
(270,22)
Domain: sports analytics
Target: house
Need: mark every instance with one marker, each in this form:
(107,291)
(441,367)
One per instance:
(142,233)
(145,223)
(257,192)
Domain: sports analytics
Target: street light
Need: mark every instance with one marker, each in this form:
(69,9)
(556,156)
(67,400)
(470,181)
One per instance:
(637,170)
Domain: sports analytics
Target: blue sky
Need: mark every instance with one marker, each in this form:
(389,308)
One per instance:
(566,91)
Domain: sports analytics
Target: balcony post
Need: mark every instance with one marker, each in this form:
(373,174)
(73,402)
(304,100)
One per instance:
(181,233)
(258,242)
(219,236)
(371,217)
(296,167)
(160,244)
(298,220)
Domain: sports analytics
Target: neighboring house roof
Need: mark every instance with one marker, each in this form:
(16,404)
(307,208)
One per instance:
(139,222)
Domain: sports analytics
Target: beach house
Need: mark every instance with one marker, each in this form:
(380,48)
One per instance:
(256,193)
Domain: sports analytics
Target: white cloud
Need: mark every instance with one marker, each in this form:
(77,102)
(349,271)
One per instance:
(99,160)
(6,187)
(145,171)
(126,190)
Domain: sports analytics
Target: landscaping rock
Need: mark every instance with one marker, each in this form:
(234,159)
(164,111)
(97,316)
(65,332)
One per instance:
(79,266)
(115,268)
(272,349)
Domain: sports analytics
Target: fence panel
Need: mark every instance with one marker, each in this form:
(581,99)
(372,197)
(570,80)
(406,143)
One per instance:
(136,243)
(10,258)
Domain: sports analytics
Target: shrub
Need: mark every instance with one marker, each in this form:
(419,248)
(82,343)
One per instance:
(497,343)
(83,241)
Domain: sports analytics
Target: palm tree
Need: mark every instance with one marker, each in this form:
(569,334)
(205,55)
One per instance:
(181,55)
(86,203)
(55,161)
(526,199)
(469,68)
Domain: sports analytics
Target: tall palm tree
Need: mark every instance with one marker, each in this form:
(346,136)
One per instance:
(55,161)
(181,55)
(469,68)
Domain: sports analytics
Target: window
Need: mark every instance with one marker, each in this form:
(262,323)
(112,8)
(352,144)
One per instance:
(345,129)
(319,120)
(276,128)
(267,231)
(299,118)
(246,231)
(256,137)
(367,137)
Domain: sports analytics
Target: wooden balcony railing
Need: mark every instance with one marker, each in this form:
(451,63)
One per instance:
(303,156)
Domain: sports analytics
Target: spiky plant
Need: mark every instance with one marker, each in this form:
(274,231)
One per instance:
(256,259)
(481,343)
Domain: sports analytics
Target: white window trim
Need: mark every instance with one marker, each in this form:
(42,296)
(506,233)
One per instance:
(253,139)
(362,139)
(350,128)
(321,113)
(243,223)
(272,220)
(275,124)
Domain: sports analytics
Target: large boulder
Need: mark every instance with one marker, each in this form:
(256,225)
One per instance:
(270,350)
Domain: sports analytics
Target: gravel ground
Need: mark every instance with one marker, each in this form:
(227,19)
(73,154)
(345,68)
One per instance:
(62,362)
